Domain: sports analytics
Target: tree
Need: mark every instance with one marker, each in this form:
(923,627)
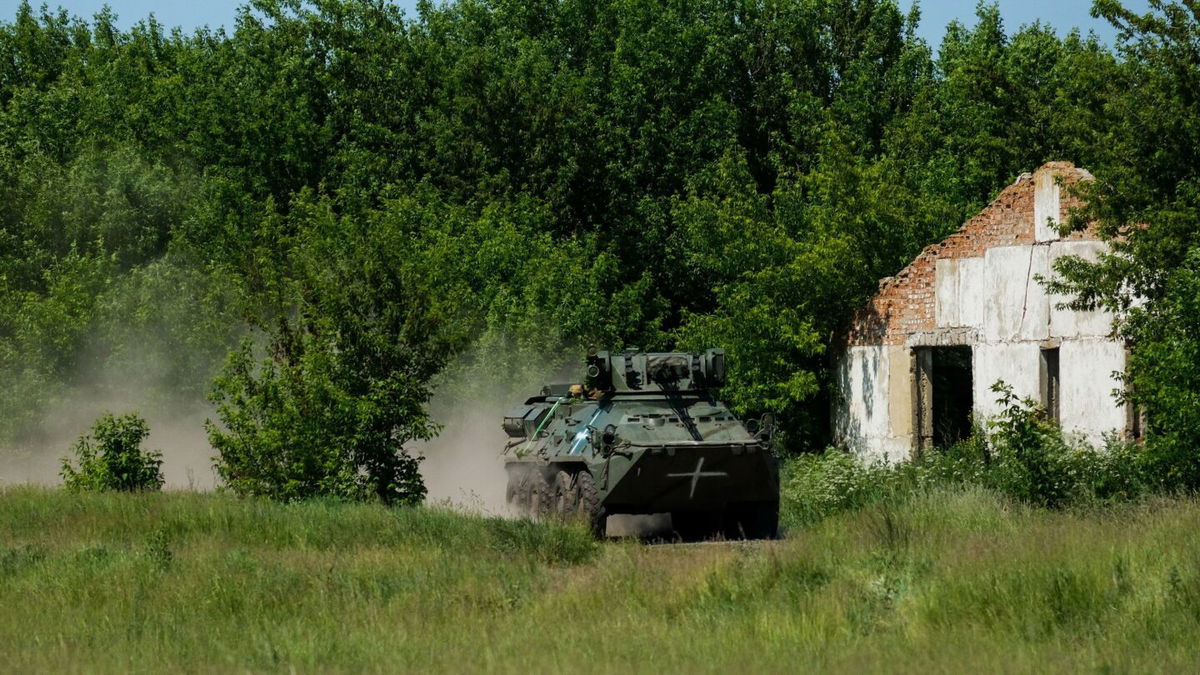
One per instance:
(533,175)
(346,378)
(1146,204)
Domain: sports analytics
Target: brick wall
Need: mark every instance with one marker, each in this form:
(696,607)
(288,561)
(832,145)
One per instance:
(905,302)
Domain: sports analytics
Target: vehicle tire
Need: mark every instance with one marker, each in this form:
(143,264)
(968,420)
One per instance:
(753,520)
(566,495)
(769,519)
(590,508)
(541,498)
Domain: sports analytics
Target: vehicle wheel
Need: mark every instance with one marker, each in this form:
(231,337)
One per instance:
(566,495)
(768,521)
(590,507)
(540,496)
(753,520)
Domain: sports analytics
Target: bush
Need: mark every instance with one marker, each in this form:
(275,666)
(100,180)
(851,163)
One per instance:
(817,486)
(963,464)
(1022,454)
(362,328)
(1034,462)
(295,429)
(1120,470)
(111,457)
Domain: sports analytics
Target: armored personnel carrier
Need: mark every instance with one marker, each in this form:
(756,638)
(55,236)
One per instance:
(643,434)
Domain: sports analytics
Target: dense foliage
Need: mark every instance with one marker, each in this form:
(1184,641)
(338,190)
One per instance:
(334,200)
(1021,454)
(111,457)
(1148,204)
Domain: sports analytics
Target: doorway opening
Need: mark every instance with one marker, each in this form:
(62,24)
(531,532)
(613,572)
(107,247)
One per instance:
(943,395)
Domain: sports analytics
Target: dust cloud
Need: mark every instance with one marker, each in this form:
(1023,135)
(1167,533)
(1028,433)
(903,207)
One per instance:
(654,525)
(176,426)
(463,466)
(177,432)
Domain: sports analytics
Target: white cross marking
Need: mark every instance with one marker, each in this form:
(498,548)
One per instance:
(697,475)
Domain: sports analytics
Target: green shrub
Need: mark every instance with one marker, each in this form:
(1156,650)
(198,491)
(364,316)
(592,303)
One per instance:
(963,464)
(1119,470)
(111,457)
(373,313)
(1034,461)
(817,486)
(1022,454)
(295,429)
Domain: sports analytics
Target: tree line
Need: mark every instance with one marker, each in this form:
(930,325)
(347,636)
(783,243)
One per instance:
(310,216)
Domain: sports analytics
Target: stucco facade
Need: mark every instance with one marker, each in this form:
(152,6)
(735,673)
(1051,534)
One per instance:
(925,351)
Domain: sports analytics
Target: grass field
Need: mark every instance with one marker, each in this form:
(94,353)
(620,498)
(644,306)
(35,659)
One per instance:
(946,582)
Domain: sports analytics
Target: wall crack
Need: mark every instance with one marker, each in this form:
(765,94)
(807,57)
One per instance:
(1025,300)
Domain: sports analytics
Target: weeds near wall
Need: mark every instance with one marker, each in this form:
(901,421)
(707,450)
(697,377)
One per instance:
(1021,454)
(1034,461)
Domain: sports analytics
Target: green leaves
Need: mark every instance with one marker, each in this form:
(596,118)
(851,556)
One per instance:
(1146,203)
(345,381)
(378,194)
(303,428)
(111,457)
(777,274)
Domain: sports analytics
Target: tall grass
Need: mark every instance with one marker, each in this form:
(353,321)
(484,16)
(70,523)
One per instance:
(942,580)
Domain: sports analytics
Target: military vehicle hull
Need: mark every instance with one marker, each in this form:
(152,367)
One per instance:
(649,450)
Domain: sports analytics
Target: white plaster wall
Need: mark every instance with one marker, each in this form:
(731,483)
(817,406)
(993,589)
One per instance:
(891,449)
(862,421)
(864,412)
(1004,269)
(1035,313)
(863,385)
(1067,323)
(1015,306)
(998,295)
(946,295)
(1018,364)
(971,290)
(959,292)
(1087,375)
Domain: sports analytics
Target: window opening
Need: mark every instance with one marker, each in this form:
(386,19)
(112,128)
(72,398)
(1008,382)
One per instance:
(1051,384)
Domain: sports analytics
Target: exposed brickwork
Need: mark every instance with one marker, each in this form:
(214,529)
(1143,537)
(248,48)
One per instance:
(905,302)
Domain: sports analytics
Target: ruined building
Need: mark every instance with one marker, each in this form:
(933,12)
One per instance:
(924,352)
